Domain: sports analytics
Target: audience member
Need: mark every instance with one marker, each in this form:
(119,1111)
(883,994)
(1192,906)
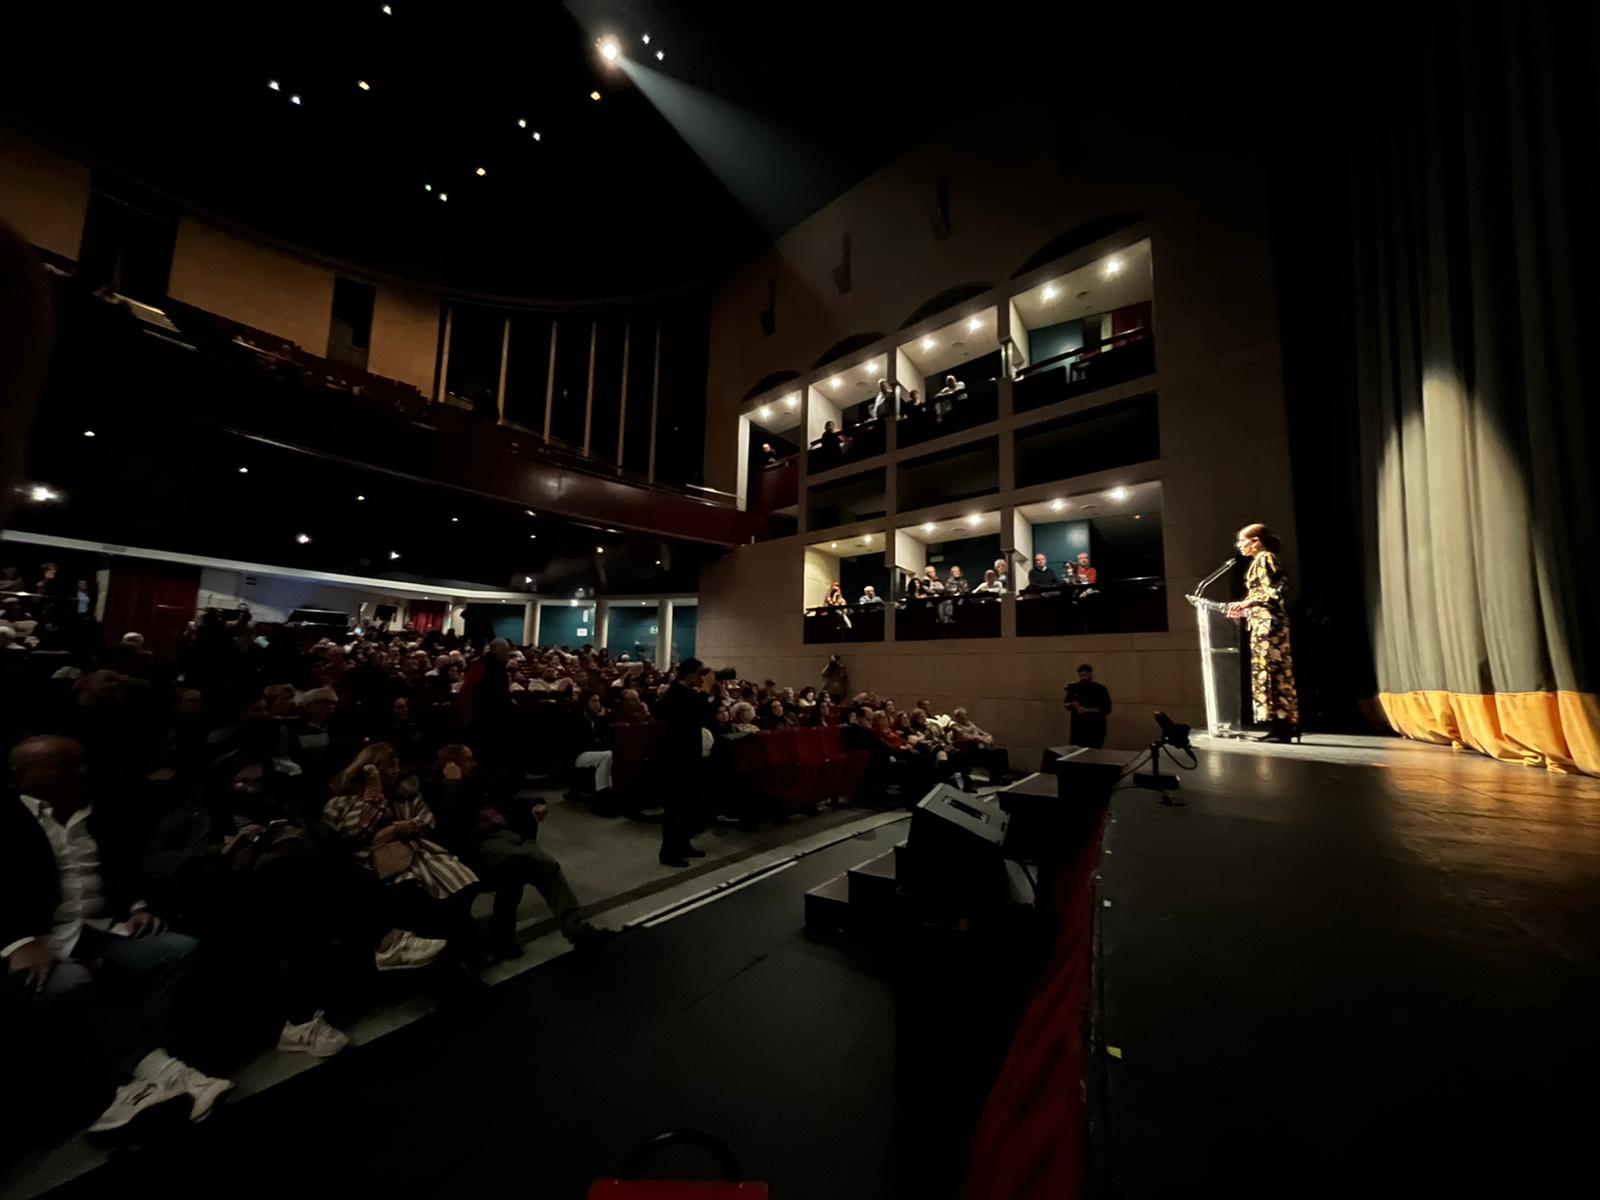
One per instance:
(1090,704)
(596,743)
(1041,576)
(687,711)
(869,598)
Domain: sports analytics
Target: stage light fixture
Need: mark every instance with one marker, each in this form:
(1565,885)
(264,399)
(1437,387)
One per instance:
(273,84)
(661,55)
(444,196)
(88,433)
(244,470)
(1050,292)
(522,122)
(294,99)
(609,50)
(594,95)
(359,496)
(1113,267)
(427,187)
(393,554)
(537,136)
(302,538)
(481,172)
(363,85)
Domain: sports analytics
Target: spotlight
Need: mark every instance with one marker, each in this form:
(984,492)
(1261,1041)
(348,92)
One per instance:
(244,470)
(527,579)
(294,99)
(88,433)
(537,136)
(302,538)
(1050,292)
(522,122)
(273,84)
(1119,494)
(599,549)
(388,11)
(1113,267)
(658,562)
(594,95)
(393,554)
(974,323)
(927,343)
(427,187)
(40,494)
(363,85)
(645,39)
(444,196)
(532,536)
(481,172)
(360,497)
(528,511)
(453,520)
(609,50)
(661,56)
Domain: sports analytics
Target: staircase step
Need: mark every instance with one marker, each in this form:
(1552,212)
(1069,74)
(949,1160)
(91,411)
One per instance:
(872,883)
(828,905)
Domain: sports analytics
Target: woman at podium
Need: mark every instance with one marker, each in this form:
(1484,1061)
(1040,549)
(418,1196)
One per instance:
(1264,608)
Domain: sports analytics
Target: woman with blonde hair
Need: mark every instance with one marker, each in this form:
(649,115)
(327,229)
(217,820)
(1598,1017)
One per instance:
(426,891)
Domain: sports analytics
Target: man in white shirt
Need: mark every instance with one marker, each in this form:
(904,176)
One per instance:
(100,968)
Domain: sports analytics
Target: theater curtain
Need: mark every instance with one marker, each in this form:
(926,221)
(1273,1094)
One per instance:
(156,599)
(1475,203)
(426,615)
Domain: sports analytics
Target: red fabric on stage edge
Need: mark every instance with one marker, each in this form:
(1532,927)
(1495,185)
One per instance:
(1031,1140)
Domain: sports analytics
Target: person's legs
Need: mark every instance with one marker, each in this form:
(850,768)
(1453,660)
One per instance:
(409,906)
(601,761)
(159,967)
(511,861)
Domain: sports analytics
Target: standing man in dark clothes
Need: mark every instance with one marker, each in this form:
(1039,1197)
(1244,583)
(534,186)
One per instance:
(490,712)
(1090,705)
(688,709)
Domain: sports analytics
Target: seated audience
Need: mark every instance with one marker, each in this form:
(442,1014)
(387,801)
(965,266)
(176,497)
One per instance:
(1041,576)
(882,402)
(956,585)
(768,454)
(1086,573)
(1001,573)
(84,949)
(928,585)
(743,718)
(870,598)
(835,597)
(992,585)
(595,735)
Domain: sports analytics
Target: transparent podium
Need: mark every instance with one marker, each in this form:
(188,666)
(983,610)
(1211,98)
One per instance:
(1221,667)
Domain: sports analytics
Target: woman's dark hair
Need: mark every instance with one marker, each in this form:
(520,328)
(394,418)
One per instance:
(1265,536)
(689,668)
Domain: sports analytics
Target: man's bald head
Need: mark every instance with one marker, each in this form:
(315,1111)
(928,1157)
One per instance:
(50,768)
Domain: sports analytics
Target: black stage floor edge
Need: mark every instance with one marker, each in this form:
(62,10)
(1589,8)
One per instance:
(1349,967)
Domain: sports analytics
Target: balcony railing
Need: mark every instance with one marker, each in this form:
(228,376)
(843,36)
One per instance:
(1112,360)
(1137,605)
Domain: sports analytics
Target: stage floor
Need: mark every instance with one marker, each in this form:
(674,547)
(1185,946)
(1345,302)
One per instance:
(1357,962)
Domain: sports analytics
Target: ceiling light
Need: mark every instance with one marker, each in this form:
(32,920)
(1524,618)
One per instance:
(1138,516)
(870,367)
(1057,505)
(974,323)
(244,470)
(837,383)
(40,494)
(1113,267)
(453,520)
(974,519)
(393,554)
(599,549)
(1050,292)
(833,545)
(793,401)
(528,511)
(928,528)
(360,497)
(522,122)
(427,187)
(302,538)
(658,562)
(766,410)
(294,99)
(273,84)
(527,579)
(444,195)
(363,85)
(645,39)
(532,536)
(537,136)
(609,50)
(927,343)
(388,11)
(482,172)
(661,55)
(88,433)
(594,95)
(1119,494)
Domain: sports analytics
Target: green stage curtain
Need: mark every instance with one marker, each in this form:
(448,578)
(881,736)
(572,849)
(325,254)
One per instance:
(1476,220)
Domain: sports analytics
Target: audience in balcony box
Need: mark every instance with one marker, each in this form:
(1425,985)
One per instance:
(992,585)
(1041,576)
(946,398)
(928,585)
(956,585)
(882,403)
(768,454)
(830,447)
(835,597)
(870,598)
(1085,573)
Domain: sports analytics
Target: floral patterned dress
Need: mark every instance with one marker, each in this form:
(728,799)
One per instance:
(1271,662)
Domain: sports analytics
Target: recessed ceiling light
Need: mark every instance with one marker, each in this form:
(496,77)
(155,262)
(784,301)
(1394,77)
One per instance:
(444,195)
(244,470)
(453,520)
(481,171)
(599,549)
(792,401)
(522,122)
(833,545)
(1119,494)
(766,410)
(273,84)
(928,528)
(927,343)
(645,39)
(294,99)
(975,322)
(1138,516)
(363,85)
(1057,505)
(360,497)
(837,383)
(427,187)
(974,519)
(393,554)
(661,56)
(594,95)
(88,433)
(388,11)
(1113,267)
(870,367)
(1050,292)
(302,538)
(537,136)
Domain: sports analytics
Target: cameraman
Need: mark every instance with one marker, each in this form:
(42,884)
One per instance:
(689,711)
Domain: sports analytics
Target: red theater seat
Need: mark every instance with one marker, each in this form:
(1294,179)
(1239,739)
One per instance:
(633,746)
(791,782)
(811,749)
(856,762)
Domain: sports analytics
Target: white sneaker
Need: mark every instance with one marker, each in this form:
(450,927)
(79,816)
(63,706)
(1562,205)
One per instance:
(134,1098)
(203,1090)
(315,1037)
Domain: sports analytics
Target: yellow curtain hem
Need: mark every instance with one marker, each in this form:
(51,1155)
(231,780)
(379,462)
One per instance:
(1559,731)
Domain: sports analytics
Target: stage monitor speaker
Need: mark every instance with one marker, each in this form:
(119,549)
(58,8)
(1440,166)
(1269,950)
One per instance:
(954,855)
(1050,810)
